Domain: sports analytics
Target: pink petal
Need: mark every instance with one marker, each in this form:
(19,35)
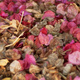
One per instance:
(42,38)
(42,78)
(21,1)
(3,6)
(48,13)
(77,78)
(22,64)
(61,9)
(31,37)
(15,16)
(71,25)
(52,1)
(11,6)
(64,26)
(30,77)
(29,18)
(45,39)
(25,13)
(37,42)
(43,30)
(3,14)
(29,59)
(74,58)
(72,11)
(78,19)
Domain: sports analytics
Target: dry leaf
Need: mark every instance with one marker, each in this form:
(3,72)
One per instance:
(16,40)
(1,47)
(6,79)
(3,62)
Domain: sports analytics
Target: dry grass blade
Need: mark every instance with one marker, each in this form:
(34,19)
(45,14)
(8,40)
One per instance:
(16,40)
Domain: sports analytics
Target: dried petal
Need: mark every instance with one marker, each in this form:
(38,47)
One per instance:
(29,59)
(74,58)
(15,66)
(3,62)
(77,78)
(67,69)
(30,77)
(34,69)
(48,14)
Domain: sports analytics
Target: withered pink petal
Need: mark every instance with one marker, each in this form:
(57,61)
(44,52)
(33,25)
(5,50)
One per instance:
(44,30)
(22,8)
(64,26)
(3,6)
(72,11)
(15,16)
(78,19)
(45,39)
(21,1)
(22,64)
(77,78)
(37,42)
(29,59)
(3,14)
(2,23)
(72,25)
(11,7)
(61,9)
(29,18)
(25,13)
(74,58)
(42,38)
(30,77)
(74,31)
(78,36)
(31,37)
(48,13)
(52,1)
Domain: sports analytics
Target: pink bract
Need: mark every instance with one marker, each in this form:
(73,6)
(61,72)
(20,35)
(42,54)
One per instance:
(64,26)
(77,78)
(78,19)
(45,39)
(31,37)
(3,6)
(29,59)
(48,13)
(72,25)
(61,9)
(74,58)
(72,11)
(3,14)
(30,77)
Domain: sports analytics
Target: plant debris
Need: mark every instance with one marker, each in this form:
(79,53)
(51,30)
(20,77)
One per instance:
(39,39)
